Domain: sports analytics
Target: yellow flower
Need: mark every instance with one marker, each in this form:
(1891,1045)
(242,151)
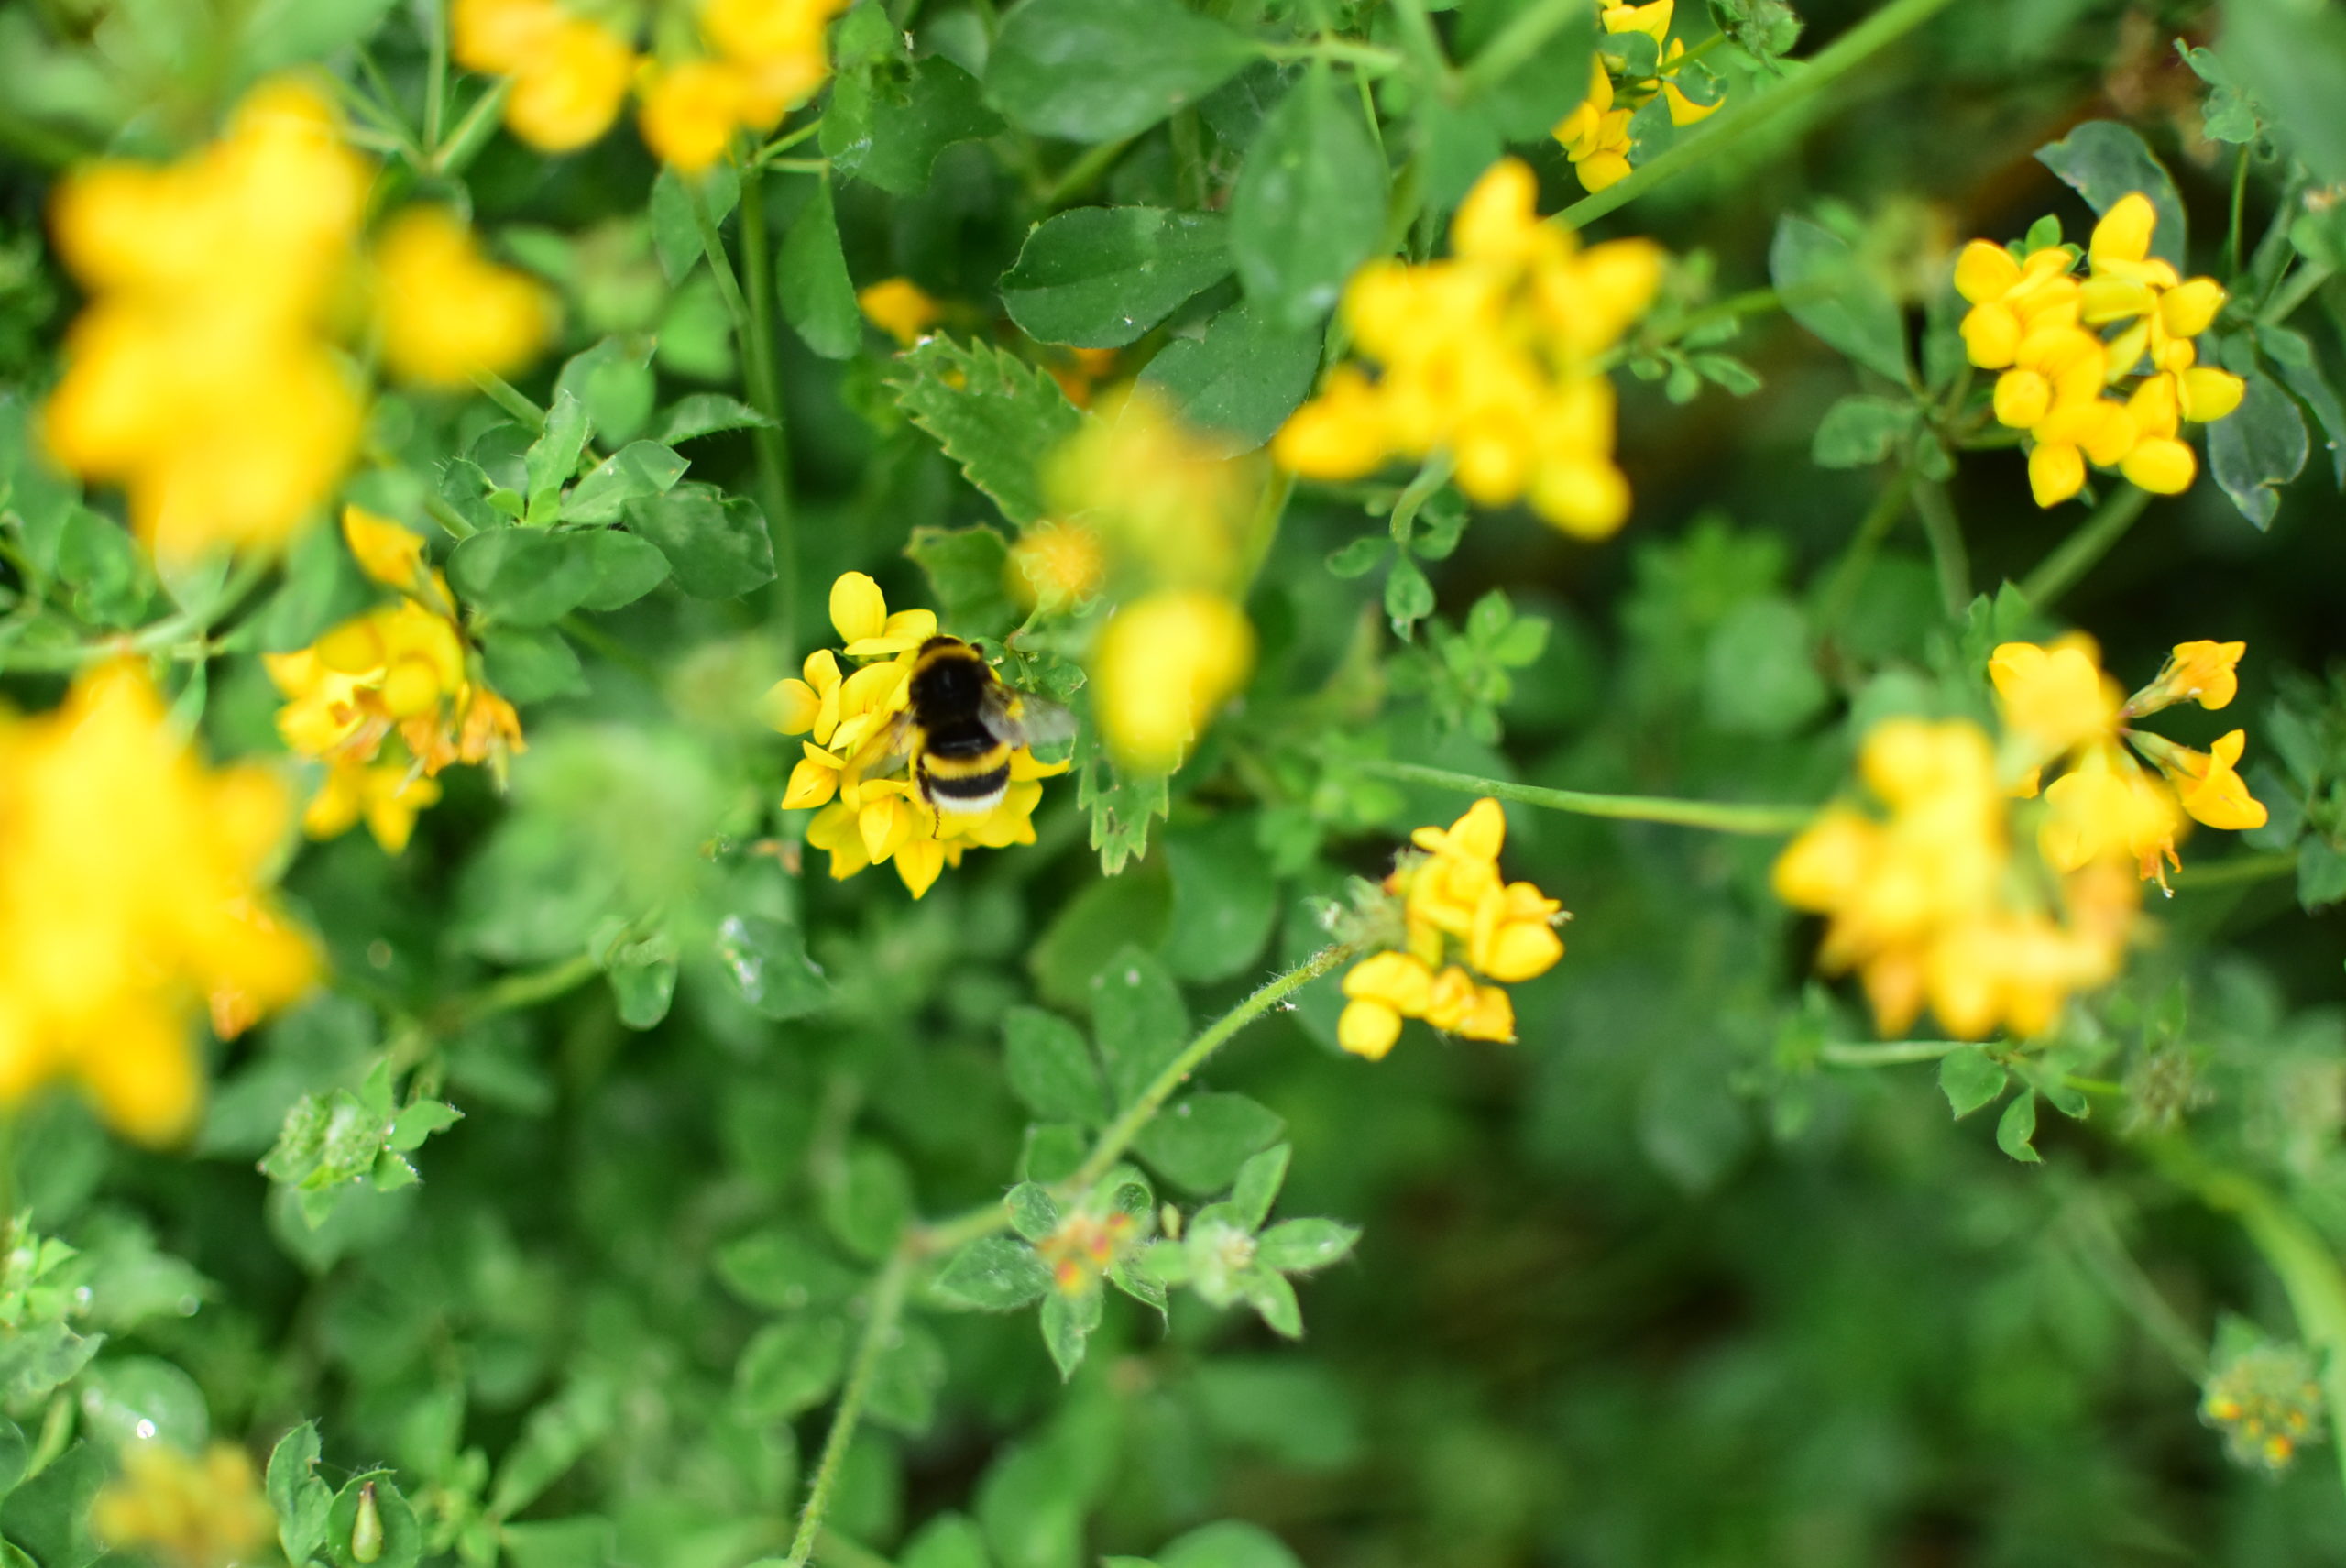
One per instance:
(1453,903)
(2207,783)
(1162,667)
(2204,673)
(777,46)
(1057,563)
(2057,697)
(201,376)
(2107,808)
(391,554)
(899,307)
(1596,135)
(386,795)
(567,93)
(187,1510)
(1490,356)
(688,112)
(131,894)
(1924,902)
(446,310)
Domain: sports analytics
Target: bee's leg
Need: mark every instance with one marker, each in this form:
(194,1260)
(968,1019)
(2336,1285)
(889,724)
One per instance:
(928,798)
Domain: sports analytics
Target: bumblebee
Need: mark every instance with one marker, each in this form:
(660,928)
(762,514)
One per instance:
(960,725)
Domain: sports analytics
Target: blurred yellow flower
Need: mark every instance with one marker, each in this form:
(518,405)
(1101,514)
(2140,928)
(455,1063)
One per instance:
(187,1510)
(131,893)
(444,309)
(1454,905)
(1928,905)
(1056,564)
(1163,665)
(867,810)
(570,73)
(1492,357)
(400,677)
(201,376)
(899,307)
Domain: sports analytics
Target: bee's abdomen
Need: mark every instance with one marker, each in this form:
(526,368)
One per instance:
(967,784)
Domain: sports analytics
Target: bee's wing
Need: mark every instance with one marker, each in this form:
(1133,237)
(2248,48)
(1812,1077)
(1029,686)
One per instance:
(1016,719)
(888,746)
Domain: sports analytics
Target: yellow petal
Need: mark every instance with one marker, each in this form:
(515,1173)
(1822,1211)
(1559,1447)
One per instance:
(1984,271)
(858,609)
(2124,232)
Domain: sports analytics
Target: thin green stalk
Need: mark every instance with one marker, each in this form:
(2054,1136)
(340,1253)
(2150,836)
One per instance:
(2075,555)
(1080,176)
(2294,1251)
(1841,591)
(511,398)
(510,993)
(2239,213)
(1417,30)
(2235,870)
(1368,59)
(879,1331)
(1517,42)
(178,636)
(1948,558)
(1751,301)
(1888,1053)
(454,155)
(1736,125)
(765,385)
(435,74)
(1124,1129)
(448,517)
(1719,815)
(787,140)
(2301,287)
(1430,477)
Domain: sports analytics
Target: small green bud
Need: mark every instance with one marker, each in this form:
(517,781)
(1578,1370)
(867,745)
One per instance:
(367,1530)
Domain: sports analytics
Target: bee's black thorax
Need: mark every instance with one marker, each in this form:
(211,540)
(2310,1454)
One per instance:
(961,765)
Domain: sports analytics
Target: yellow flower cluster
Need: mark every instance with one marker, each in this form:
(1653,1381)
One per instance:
(901,308)
(2042,327)
(398,674)
(1929,904)
(1454,906)
(186,1511)
(1596,135)
(132,888)
(571,73)
(1149,507)
(863,820)
(1493,356)
(2059,706)
(2266,1402)
(204,377)
(1085,1247)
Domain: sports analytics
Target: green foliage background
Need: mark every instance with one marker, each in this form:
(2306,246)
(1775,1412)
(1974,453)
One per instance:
(1666,1284)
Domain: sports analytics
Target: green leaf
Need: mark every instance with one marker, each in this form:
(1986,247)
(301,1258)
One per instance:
(402,1539)
(1067,1323)
(784,1271)
(1256,1186)
(551,460)
(969,571)
(1272,1299)
(675,233)
(2292,57)
(528,664)
(1828,291)
(49,1515)
(2105,161)
(1099,277)
(2258,447)
(1101,70)
(1759,675)
(2321,874)
(1231,1543)
(887,121)
(994,1273)
(613,383)
(1860,429)
(1298,1246)
(556,1435)
(522,576)
(1309,206)
(705,413)
(1139,1021)
(1237,384)
(717,544)
(947,1541)
(1199,1142)
(1526,102)
(276,34)
(1225,899)
(2228,115)
(2291,358)
(1034,1214)
(585,1540)
(997,418)
(300,1499)
(1408,595)
(1969,1079)
(767,963)
(868,1204)
(419,1121)
(1120,805)
(2016,1127)
(789,1367)
(811,281)
(637,471)
(906,1380)
(1050,1068)
(1360,557)
(625,568)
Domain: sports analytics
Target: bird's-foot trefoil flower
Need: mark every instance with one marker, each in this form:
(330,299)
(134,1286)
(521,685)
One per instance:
(1625,76)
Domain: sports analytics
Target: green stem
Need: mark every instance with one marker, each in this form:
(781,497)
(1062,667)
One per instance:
(765,385)
(1080,176)
(1735,125)
(513,992)
(454,155)
(1719,815)
(438,510)
(1417,30)
(2300,288)
(2239,213)
(2294,1251)
(1420,490)
(1751,301)
(879,1331)
(1517,42)
(787,140)
(512,400)
(1891,1053)
(435,74)
(2235,870)
(1124,1129)
(2075,555)
(1841,591)
(1368,59)
(1948,558)
(179,636)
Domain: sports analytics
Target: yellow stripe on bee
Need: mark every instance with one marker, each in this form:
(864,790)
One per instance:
(993,759)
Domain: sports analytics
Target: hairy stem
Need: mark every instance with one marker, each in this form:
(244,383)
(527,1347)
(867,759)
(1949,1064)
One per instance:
(2235,870)
(1841,590)
(1719,815)
(1948,558)
(879,1328)
(1886,1053)
(1736,125)
(763,381)
(2075,555)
